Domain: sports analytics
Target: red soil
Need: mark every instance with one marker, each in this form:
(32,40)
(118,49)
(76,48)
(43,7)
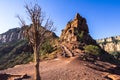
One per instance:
(64,69)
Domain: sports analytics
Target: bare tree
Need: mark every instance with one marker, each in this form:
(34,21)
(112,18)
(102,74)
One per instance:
(36,32)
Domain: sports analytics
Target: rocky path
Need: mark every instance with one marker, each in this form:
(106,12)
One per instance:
(64,69)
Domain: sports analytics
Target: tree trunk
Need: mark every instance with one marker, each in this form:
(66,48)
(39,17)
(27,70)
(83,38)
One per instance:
(36,64)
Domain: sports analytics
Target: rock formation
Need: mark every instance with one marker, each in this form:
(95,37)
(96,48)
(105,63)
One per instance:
(77,30)
(16,34)
(111,44)
(11,35)
(76,35)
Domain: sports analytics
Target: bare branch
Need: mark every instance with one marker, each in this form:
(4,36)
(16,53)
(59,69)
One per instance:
(36,33)
(21,20)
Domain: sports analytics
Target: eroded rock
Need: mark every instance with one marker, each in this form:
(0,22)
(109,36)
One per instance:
(76,34)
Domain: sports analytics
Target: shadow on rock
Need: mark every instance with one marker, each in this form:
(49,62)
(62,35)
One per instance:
(4,76)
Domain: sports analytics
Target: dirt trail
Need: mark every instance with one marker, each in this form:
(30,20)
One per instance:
(63,69)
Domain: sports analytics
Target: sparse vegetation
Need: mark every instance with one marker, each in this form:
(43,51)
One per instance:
(15,53)
(46,48)
(81,34)
(91,52)
(92,49)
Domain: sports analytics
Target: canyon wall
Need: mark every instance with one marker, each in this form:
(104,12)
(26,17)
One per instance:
(11,35)
(111,44)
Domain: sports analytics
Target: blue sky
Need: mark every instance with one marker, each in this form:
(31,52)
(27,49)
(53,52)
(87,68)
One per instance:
(103,16)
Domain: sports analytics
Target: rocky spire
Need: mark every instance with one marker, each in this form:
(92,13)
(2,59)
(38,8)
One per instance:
(75,35)
(75,28)
(77,16)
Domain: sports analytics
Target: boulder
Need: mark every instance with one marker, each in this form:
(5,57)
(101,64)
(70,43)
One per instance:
(113,77)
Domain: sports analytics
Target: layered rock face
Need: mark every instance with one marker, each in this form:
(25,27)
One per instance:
(75,35)
(16,34)
(77,30)
(11,35)
(111,44)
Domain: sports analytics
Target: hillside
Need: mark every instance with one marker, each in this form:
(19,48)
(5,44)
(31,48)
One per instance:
(15,49)
(14,53)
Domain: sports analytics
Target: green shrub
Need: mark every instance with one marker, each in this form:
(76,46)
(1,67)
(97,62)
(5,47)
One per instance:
(46,48)
(81,34)
(92,53)
(92,49)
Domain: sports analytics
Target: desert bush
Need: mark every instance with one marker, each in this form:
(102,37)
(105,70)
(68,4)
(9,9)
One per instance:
(81,34)
(54,54)
(92,52)
(46,48)
(92,49)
